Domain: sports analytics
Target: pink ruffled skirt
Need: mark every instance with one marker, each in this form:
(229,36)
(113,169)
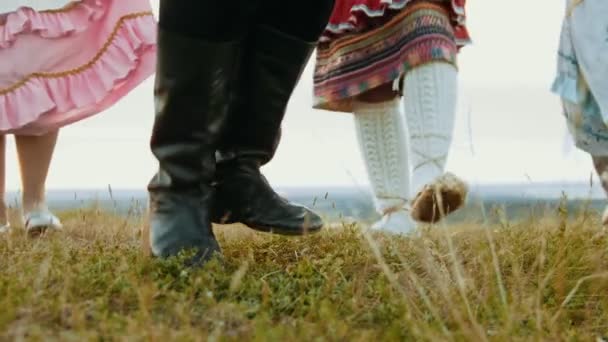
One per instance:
(63,65)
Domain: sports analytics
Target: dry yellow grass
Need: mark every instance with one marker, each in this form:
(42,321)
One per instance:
(542,279)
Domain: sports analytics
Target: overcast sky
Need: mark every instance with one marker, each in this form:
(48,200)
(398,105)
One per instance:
(509,126)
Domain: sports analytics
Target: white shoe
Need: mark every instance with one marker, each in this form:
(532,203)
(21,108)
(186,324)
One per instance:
(5,229)
(398,222)
(605,217)
(38,222)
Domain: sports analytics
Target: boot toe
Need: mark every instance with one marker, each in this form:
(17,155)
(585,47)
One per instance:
(247,198)
(313,222)
(293,220)
(177,224)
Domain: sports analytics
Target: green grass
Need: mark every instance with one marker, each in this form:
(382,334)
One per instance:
(540,279)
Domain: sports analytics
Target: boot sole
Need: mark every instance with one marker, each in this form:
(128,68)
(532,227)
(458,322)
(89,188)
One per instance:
(282,231)
(226,220)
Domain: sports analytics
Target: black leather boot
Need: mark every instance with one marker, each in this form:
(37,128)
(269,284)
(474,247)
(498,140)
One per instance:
(191,92)
(272,63)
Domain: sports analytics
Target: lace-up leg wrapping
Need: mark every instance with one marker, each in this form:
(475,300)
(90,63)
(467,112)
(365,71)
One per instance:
(430,104)
(383,143)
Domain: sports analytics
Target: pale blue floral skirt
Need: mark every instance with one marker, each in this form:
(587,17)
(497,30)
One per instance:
(582,76)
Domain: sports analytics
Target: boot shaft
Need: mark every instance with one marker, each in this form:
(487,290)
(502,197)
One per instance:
(272,63)
(193,83)
(192,87)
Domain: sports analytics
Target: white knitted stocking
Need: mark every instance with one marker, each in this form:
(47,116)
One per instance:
(383,144)
(430,105)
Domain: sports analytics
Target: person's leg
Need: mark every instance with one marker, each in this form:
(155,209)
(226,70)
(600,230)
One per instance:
(382,138)
(3,209)
(430,108)
(278,48)
(601,167)
(198,46)
(35,154)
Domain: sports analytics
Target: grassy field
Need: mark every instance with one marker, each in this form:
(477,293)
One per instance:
(537,279)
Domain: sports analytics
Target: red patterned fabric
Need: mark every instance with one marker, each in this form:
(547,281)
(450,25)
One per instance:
(369,43)
(361,15)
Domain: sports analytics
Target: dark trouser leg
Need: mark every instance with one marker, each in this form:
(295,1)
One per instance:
(276,53)
(191,92)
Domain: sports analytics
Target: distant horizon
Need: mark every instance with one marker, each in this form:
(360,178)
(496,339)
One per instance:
(340,186)
(343,186)
(532,189)
(337,202)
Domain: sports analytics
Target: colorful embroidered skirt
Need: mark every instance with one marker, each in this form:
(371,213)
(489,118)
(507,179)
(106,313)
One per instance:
(65,64)
(369,43)
(582,74)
